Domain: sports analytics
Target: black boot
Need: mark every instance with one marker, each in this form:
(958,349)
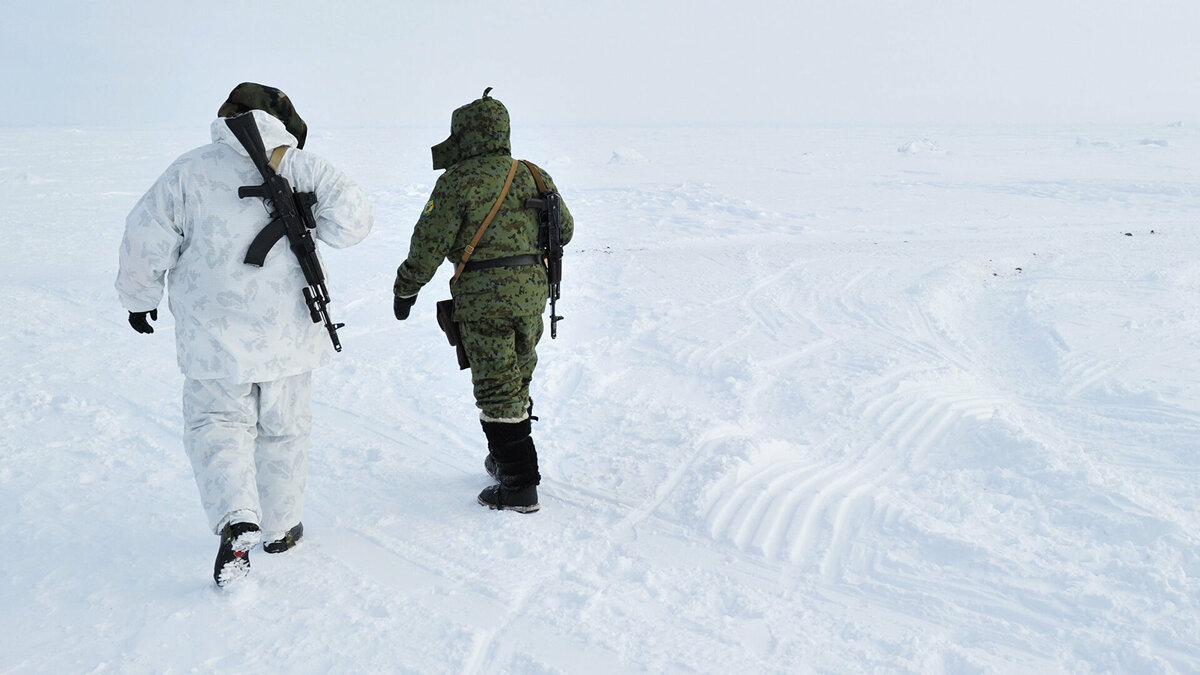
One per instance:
(502,435)
(287,541)
(498,497)
(233,558)
(514,460)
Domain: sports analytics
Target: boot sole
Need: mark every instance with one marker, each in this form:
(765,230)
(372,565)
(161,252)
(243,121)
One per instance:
(232,571)
(238,567)
(501,507)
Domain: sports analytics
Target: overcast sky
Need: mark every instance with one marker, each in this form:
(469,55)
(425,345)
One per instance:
(360,63)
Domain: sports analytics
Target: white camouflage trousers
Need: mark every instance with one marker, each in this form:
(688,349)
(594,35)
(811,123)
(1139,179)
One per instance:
(248,444)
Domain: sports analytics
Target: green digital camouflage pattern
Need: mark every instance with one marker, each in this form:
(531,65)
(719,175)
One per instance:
(249,96)
(461,199)
(502,355)
(499,309)
(478,128)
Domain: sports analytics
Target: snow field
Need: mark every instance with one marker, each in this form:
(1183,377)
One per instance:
(819,404)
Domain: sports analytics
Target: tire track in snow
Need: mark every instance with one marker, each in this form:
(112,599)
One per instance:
(928,419)
(1082,372)
(791,511)
(758,510)
(762,320)
(918,408)
(807,513)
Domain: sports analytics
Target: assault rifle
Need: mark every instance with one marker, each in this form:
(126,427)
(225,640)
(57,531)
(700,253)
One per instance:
(293,218)
(548,205)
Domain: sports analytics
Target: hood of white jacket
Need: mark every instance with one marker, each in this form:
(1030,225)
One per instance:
(273,133)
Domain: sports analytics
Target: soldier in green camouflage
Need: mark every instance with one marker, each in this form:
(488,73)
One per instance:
(502,291)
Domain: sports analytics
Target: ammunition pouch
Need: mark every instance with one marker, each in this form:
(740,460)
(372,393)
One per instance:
(445,319)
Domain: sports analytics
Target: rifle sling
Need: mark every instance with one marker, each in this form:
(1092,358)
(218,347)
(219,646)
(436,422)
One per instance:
(537,175)
(512,171)
(277,157)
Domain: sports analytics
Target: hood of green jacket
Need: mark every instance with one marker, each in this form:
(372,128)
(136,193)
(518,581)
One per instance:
(478,128)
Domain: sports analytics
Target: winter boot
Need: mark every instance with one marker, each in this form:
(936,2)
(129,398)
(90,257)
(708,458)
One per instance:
(513,463)
(233,558)
(287,541)
(522,500)
(501,435)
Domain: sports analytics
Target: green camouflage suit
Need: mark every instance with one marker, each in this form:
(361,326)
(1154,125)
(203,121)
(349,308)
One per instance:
(499,309)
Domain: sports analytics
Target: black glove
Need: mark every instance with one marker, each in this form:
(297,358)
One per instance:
(139,323)
(402,306)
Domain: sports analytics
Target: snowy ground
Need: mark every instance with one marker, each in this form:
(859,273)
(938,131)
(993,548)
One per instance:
(826,400)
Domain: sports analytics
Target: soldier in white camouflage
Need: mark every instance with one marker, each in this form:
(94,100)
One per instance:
(501,294)
(245,341)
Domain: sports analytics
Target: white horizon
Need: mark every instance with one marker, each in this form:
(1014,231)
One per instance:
(355,64)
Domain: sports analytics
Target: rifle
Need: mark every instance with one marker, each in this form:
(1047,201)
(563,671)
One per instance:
(548,205)
(292,218)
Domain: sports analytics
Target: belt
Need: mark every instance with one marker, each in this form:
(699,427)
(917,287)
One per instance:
(510,261)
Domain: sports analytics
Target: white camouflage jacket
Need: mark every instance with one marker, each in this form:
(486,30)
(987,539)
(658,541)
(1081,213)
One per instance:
(233,320)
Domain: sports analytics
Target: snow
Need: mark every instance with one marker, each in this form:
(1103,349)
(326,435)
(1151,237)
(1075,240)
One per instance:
(816,406)
(627,156)
(919,146)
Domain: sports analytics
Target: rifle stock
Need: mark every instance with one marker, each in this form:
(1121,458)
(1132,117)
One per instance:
(246,131)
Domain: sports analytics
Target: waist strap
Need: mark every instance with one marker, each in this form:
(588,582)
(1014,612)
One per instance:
(510,261)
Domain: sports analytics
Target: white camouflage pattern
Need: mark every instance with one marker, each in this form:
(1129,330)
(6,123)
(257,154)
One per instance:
(233,320)
(248,444)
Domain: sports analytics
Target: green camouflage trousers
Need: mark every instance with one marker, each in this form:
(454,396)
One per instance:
(503,355)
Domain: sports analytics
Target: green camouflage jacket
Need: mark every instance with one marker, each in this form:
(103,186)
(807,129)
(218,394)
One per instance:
(477,158)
